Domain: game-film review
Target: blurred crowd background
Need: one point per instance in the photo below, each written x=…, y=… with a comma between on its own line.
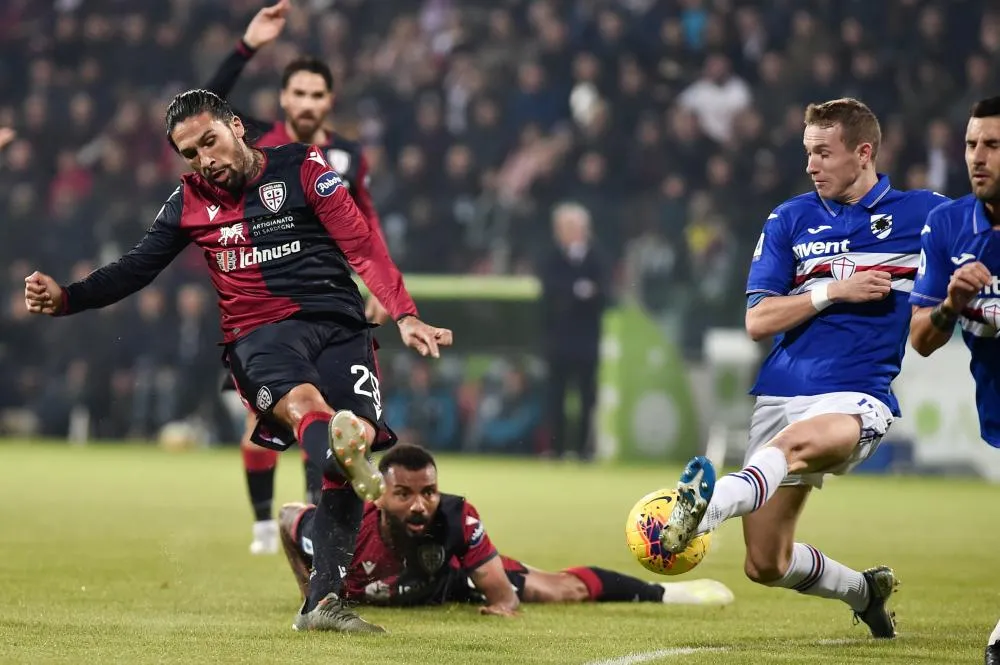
x=676, y=123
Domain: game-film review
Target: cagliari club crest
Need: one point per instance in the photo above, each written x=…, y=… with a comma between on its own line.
x=431, y=557
x=272, y=195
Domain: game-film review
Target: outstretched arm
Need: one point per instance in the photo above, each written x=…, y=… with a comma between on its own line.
x=263, y=29
x=366, y=252
x=374, y=311
x=492, y=581
x=163, y=241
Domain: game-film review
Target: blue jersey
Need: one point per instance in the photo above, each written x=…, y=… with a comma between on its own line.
x=957, y=233
x=808, y=241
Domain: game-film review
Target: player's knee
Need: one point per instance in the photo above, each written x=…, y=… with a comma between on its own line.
x=573, y=590
x=307, y=397
x=794, y=440
x=545, y=593
x=554, y=588
x=763, y=569
x=828, y=437
x=248, y=428
x=298, y=402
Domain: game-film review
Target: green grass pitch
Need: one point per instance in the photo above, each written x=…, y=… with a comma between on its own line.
x=126, y=554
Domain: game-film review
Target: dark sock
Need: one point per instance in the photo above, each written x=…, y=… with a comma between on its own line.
x=607, y=586
x=261, y=487
x=314, y=437
x=334, y=532
x=259, y=464
x=314, y=480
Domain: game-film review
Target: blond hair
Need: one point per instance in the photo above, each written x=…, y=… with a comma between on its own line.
x=857, y=122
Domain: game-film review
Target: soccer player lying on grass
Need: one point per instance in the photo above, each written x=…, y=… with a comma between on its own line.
x=418, y=546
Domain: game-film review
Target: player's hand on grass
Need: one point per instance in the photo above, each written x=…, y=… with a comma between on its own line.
x=375, y=312
x=266, y=25
x=6, y=136
x=866, y=286
x=498, y=610
x=42, y=294
x=965, y=284
x=423, y=338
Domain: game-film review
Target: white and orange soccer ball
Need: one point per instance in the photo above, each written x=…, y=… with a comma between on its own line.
x=642, y=534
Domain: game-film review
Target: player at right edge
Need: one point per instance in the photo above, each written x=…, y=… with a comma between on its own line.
x=959, y=279
x=830, y=279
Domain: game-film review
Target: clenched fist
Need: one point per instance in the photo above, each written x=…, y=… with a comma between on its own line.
x=42, y=294
x=965, y=284
x=867, y=286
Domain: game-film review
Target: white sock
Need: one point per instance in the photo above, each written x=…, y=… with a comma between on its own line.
x=995, y=635
x=745, y=491
x=813, y=573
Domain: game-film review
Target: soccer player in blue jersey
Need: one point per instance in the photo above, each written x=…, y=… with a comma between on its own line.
x=830, y=280
x=958, y=280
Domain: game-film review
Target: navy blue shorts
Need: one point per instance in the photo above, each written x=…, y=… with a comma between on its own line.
x=270, y=361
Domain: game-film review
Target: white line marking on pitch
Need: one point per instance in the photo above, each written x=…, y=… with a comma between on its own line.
x=635, y=658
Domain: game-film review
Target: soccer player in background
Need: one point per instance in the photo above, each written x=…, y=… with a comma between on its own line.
x=418, y=546
x=959, y=279
x=280, y=234
x=306, y=99
x=830, y=280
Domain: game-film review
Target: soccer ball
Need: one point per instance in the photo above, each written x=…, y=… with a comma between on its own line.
x=642, y=534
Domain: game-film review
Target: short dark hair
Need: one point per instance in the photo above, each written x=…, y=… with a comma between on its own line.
x=307, y=63
x=986, y=108
x=194, y=102
x=407, y=455
x=858, y=123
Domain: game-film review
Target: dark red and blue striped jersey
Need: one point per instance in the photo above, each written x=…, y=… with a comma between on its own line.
x=283, y=247
x=344, y=155
x=425, y=569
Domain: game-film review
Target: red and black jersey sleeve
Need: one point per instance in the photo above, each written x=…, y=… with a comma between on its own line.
x=224, y=80
x=354, y=234
x=162, y=243
x=478, y=546
x=364, y=199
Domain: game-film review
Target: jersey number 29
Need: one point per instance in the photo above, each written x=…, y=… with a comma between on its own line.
x=359, y=387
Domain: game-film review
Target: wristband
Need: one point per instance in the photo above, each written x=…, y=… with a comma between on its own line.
x=820, y=297
x=943, y=318
x=404, y=316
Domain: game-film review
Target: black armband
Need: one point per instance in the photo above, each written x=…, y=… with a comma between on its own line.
x=943, y=318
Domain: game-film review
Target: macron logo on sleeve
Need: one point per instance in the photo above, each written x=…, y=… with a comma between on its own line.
x=314, y=156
